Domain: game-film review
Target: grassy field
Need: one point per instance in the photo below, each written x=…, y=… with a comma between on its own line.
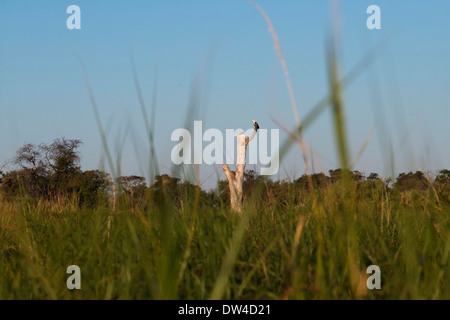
x=315, y=248
x=305, y=244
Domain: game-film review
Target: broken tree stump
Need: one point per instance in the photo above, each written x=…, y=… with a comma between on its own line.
x=236, y=178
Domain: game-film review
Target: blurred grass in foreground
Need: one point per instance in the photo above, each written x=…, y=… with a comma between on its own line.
x=308, y=244
x=164, y=251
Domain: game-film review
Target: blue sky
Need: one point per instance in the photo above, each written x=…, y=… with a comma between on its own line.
x=403, y=96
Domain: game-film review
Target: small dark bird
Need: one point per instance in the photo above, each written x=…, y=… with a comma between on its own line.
x=255, y=124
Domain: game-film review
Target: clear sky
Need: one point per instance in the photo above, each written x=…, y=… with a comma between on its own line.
x=403, y=97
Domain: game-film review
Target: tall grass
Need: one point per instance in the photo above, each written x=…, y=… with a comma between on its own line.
x=164, y=252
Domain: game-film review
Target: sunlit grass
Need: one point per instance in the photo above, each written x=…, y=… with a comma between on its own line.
x=138, y=253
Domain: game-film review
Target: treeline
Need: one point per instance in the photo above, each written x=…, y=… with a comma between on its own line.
x=406, y=188
x=49, y=172
x=52, y=172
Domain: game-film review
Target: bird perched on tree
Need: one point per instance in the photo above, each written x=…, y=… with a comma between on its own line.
x=255, y=124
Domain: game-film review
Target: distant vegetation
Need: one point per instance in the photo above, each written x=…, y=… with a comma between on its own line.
x=173, y=240
x=51, y=172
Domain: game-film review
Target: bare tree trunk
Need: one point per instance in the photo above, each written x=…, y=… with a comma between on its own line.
x=236, y=178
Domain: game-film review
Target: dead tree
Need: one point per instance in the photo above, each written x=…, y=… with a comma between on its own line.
x=236, y=178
